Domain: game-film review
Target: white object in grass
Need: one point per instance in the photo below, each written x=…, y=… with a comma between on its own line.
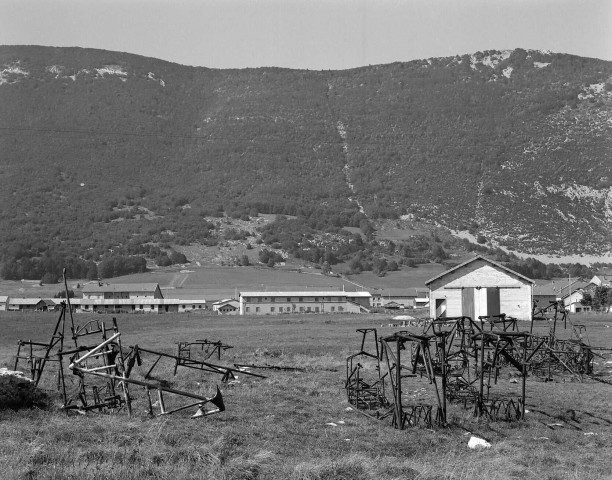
x=476, y=443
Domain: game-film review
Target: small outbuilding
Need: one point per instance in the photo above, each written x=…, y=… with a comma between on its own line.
x=573, y=302
x=480, y=287
x=26, y=304
x=228, y=306
x=544, y=296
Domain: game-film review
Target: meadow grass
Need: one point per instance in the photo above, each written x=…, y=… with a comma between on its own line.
x=278, y=427
x=214, y=282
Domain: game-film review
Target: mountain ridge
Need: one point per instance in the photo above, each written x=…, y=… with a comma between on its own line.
x=512, y=144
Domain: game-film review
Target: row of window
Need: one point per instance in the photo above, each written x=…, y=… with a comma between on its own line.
x=289, y=309
x=140, y=307
x=290, y=299
x=111, y=296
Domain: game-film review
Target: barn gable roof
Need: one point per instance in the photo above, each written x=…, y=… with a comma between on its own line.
x=548, y=289
x=26, y=301
x=313, y=293
x=399, y=292
x=120, y=287
x=226, y=301
x=479, y=257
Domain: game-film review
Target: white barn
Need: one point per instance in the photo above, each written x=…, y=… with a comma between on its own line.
x=480, y=287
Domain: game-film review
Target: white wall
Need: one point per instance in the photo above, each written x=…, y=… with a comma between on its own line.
x=515, y=293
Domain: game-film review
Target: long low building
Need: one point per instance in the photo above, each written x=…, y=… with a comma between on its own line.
x=132, y=298
x=400, y=298
x=272, y=303
x=20, y=304
x=116, y=305
x=136, y=305
x=114, y=298
x=121, y=291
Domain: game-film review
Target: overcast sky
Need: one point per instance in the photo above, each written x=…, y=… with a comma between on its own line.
x=314, y=34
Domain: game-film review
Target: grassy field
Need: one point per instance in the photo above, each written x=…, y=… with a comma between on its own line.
x=279, y=427
x=217, y=282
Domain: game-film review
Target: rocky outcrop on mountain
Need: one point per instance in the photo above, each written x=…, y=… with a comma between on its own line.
x=512, y=144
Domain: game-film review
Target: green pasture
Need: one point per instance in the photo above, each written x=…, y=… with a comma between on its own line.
x=280, y=427
x=218, y=282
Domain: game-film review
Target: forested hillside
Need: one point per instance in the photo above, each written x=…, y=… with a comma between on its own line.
x=107, y=151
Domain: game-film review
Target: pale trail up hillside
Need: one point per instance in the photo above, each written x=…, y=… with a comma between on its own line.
x=341, y=128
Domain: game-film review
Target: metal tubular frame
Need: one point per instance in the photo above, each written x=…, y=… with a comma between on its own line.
x=227, y=373
x=365, y=393
x=467, y=357
x=102, y=370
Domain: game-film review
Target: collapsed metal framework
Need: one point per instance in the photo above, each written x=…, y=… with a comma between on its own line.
x=406, y=404
x=461, y=359
x=117, y=374
x=414, y=409
x=474, y=354
x=363, y=392
x=97, y=377
x=185, y=359
x=559, y=357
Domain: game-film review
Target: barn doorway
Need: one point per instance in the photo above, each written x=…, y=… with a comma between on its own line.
x=467, y=303
x=493, y=301
x=480, y=301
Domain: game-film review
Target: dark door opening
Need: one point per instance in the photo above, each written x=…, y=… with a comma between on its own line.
x=467, y=302
x=493, y=307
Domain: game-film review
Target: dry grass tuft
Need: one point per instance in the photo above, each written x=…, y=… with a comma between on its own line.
x=17, y=393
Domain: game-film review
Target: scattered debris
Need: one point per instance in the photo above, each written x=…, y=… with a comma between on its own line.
x=461, y=359
x=18, y=391
x=14, y=373
x=184, y=358
x=476, y=443
x=246, y=366
x=97, y=377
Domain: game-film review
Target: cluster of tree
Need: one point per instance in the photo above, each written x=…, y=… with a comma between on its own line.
x=531, y=267
x=62, y=294
x=318, y=255
x=165, y=259
x=235, y=234
x=421, y=249
x=600, y=299
x=242, y=261
x=270, y=258
x=117, y=265
x=381, y=266
x=48, y=268
x=303, y=236
x=377, y=264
